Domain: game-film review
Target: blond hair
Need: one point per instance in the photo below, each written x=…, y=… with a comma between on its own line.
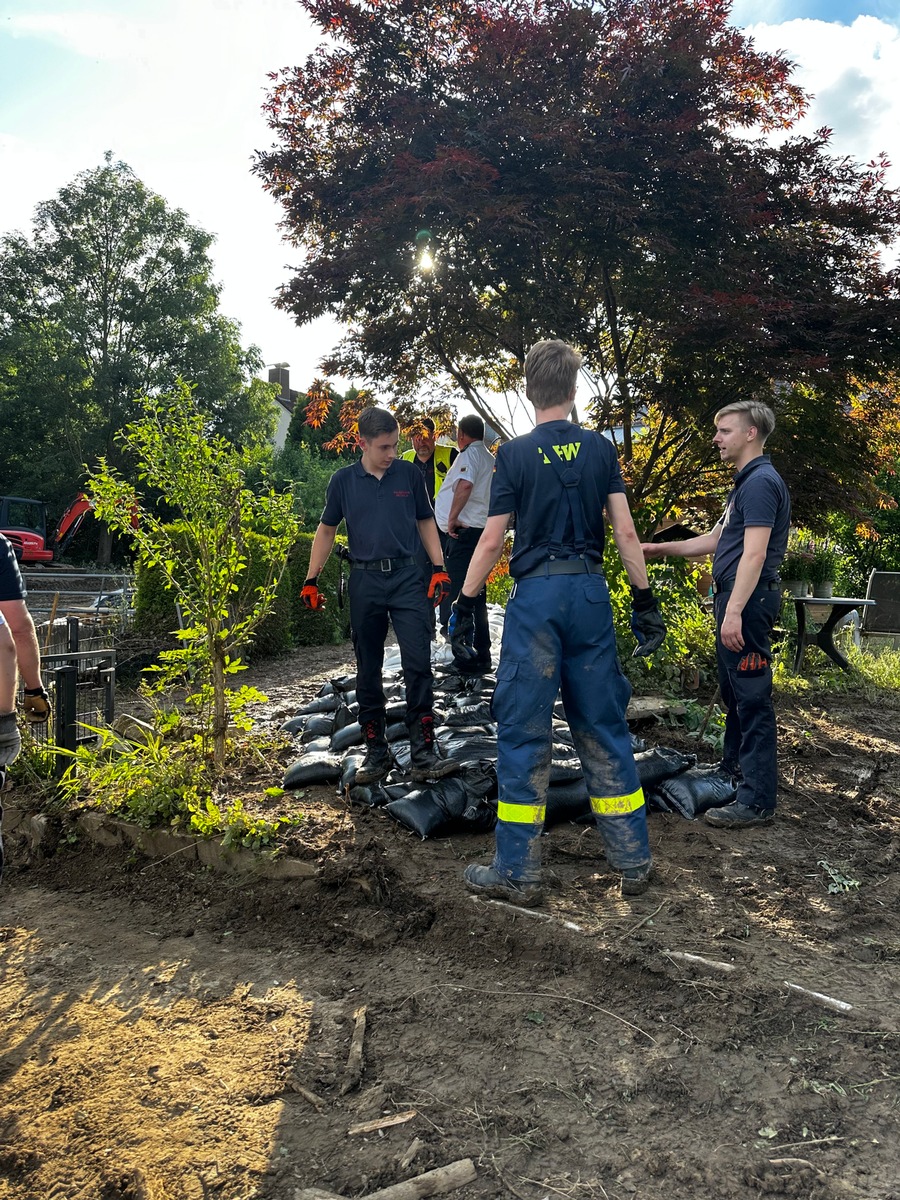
x=551, y=368
x=756, y=416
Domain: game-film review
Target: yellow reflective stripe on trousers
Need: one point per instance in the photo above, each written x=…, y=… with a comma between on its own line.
x=521, y=814
x=609, y=806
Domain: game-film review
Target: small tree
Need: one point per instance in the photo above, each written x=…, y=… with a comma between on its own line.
x=205, y=557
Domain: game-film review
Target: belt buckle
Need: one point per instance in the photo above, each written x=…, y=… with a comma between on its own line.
x=386, y=570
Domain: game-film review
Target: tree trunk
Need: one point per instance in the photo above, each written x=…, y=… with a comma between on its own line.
x=220, y=710
x=104, y=545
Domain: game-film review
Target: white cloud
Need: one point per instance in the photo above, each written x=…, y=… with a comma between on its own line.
x=851, y=73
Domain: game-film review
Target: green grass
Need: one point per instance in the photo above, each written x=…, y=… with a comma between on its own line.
x=874, y=675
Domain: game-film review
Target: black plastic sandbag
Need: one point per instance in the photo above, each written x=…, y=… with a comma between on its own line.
x=660, y=763
x=344, y=716
x=349, y=767
x=350, y=735
x=568, y=801
x=402, y=754
x=468, y=746
x=295, y=724
x=313, y=768
x=696, y=790
x=344, y=683
x=440, y=808
x=470, y=714
x=321, y=704
x=319, y=745
x=372, y=795
x=319, y=725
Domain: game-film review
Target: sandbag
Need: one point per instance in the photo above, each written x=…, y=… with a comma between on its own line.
x=395, y=712
x=472, y=714
x=567, y=801
x=696, y=790
x=402, y=755
x=343, y=717
x=321, y=704
x=397, y=732
x=318, y=725
x=438, y=810
x=344, y=683
x=350, y=735
x=372, y=795
x=564, y=770
x=313, y=768
x=295, y=724
x=472, y=747
x=350, y=766
x=319, y=745
x=662, y=762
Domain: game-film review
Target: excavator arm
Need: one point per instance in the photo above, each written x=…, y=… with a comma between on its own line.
x=70, y=522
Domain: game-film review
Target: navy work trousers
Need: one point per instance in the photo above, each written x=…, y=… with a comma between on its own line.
x=558, y=636
x=459, y=554
x=745, y=680
x=375, y=597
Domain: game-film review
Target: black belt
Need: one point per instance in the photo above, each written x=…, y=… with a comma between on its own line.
x=563, y=566
x=727, y=585
x=385, y=564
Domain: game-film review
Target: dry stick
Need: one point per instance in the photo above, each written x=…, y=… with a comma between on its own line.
x=808, y=1142
x=643, y=921
x=696, y=960
x=528, y=912
x=829, y=1001
x=793, y=1162
x=354, y=1068
x=462, y=987
x=310, y=1097
x=412, y=1150
x=383, y=1122
x=717, y=694
x=49, y=637
x=432, y=1183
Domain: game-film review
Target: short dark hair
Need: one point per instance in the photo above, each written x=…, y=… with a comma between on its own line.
x=472, y=426
x=375, y=421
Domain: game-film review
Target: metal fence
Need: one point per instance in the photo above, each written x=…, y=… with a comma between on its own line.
x=102, y=601
x=81, y=679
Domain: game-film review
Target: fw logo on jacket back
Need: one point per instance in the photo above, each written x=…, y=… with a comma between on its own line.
x=567, y=452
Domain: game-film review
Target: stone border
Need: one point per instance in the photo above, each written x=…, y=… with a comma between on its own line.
x=114, y=833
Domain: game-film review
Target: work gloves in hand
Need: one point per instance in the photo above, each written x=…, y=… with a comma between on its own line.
x=461, y=627
x=37, y=706
x=439, y=588
x=646, y=622
x=311, y=596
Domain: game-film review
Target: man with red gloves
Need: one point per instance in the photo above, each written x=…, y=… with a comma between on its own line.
x=389, y=518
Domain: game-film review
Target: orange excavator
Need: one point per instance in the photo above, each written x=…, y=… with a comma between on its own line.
x=24, y=523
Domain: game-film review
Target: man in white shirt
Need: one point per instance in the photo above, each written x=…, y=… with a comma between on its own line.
x=461, y=510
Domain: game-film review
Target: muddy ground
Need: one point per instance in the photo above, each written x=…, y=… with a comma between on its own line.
x=169, y=1034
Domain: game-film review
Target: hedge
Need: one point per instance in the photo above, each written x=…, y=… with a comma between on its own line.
x=154, y=604
x=331, y=624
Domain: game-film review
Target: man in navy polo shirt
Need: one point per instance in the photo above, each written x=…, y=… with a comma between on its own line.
x=747, y=544
x=389, y=518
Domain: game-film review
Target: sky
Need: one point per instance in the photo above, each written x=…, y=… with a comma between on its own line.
x=175, y=88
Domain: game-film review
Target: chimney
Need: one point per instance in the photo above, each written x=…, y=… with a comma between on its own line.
x=281, y=375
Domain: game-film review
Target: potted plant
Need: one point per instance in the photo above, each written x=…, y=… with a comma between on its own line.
x=795, y=572
x=822, y=570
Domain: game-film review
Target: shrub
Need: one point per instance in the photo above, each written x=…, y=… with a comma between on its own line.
x=154, y=604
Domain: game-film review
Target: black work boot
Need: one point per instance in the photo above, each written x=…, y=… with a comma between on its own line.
x=425, y=761
x=378, y=761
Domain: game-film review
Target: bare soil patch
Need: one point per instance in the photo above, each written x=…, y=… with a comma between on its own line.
x=173, y=1035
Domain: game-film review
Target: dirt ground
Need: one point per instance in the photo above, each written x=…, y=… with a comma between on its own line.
x=169, y=1034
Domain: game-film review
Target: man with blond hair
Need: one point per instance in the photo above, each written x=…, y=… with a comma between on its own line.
x=747, y=543
x=558, y=633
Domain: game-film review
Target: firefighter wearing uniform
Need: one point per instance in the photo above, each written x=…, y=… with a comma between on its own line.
x=558, y=634
x=389, y=518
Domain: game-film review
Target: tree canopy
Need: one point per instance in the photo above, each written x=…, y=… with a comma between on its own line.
x=464, y=178
x=110, y=298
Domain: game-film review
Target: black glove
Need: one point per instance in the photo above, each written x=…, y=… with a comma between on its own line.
x=646, y=622
x=461, y=627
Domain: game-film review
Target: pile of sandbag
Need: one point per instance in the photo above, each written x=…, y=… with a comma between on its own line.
x=331, y=741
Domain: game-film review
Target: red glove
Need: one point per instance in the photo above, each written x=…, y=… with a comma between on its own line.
x=311, y=596
x=439, y=588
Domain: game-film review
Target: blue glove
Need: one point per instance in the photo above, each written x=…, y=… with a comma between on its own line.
x=461, y=628
x=647, y=624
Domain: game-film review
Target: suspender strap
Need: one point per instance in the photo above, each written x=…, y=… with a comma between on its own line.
x=568, y=471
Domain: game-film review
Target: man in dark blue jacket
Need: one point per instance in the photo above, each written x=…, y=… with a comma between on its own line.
x=558, y=633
